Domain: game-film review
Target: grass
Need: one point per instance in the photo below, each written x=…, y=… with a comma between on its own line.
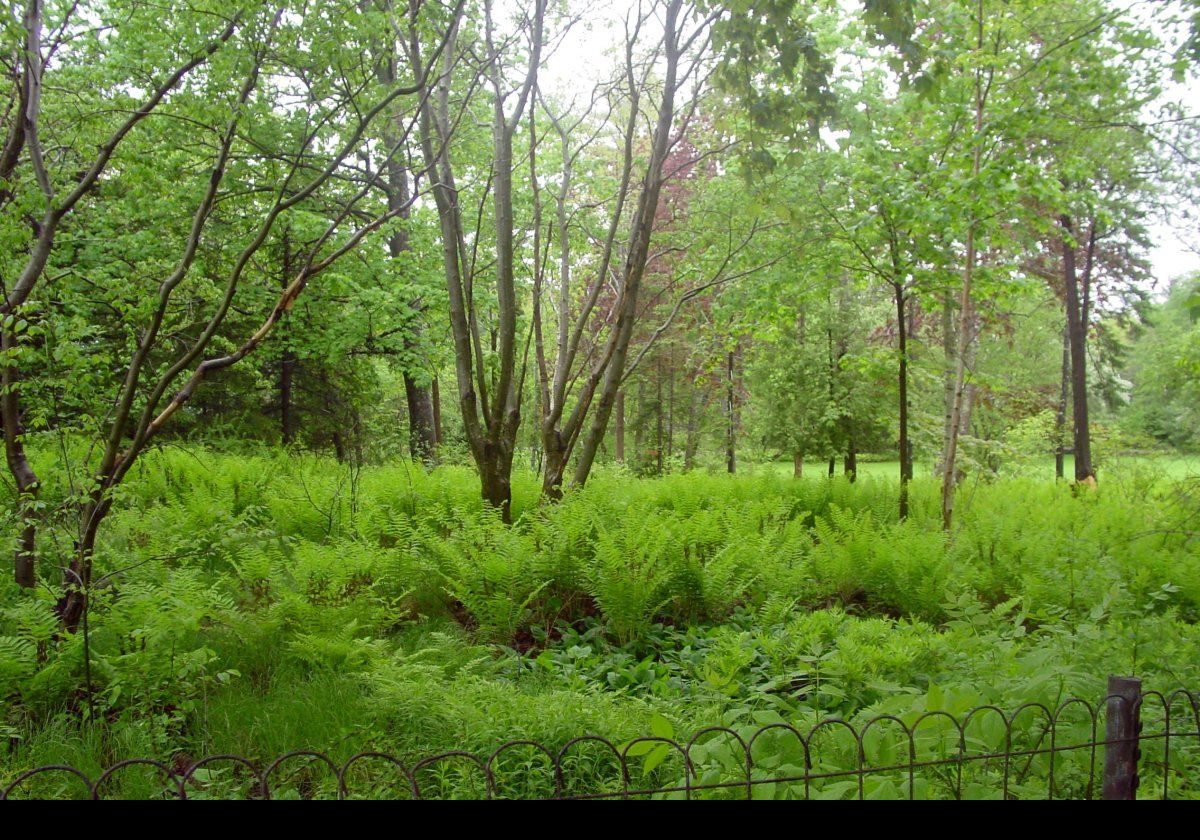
x=1170, y=467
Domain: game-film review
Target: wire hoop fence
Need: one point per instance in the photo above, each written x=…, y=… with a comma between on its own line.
x=1077, y=750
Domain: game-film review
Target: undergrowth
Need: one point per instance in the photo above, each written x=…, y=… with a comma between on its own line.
x=263, y=603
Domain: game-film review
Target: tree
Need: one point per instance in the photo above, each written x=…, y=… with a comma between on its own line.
x=274, y=157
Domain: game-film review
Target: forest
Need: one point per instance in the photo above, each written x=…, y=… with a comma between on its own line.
x=653, y=399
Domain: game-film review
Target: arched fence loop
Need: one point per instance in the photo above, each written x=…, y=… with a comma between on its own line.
x=1036, y=750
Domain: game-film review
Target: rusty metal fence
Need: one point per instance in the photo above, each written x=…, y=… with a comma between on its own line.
x=1077, y=750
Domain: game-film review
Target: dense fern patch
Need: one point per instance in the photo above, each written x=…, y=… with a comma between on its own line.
x=262, y=604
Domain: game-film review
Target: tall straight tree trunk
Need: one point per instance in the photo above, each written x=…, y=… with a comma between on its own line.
x=659, y=438
x=850, y=464
x=619, y=430
x=671, y=409
x=1060, y=416
x=691, y=442
x=906, y=467
x=797, y=465
x=730, y=416
x=968, y=399
x=831, y=391
x=436, y=395
x=950, y=354
x=639, y=428
x=1077, y=337
x=950, y=457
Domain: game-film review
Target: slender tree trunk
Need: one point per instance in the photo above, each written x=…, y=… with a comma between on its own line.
x=1077, y=336
x=850, y=464
x=968, y=399
x=949, y=477
x=356, y=432
x=436, y=394
x=691, y=441
x=950, y=458
x=639, y=428
x=831, y=378
x=671, y=410
x=797, y=465
x=77, y=580
x=1060, y=416
x=619, y=431
x=659, y=438
x=730, y=417
x=906, y=467
x=950, y=354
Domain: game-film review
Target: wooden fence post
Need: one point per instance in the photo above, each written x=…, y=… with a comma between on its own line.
x=1121, y=731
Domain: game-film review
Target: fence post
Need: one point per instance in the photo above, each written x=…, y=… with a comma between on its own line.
x=1121, y=730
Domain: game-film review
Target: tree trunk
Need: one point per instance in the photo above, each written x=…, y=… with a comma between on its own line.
x=950, y=457
x=492, y=420
x=436, y=395
x=554, y=465
x=964, y=306
x=797, y=465
x=77, y=580
x=422, y=423
x=950, y=354
x=671, y=410
x=619, y=431
x=850, y=464
x=495, y=481
x=422, y=429
x=24, y=478
x=968, y=399
x=691, y=441
x=906, y=467
x=1060, y=417
x=1077, y=336
x=730, y=417
x=638, y=253
x=659, y=438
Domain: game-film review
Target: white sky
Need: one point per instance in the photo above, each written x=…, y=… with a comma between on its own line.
x=586, y=56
